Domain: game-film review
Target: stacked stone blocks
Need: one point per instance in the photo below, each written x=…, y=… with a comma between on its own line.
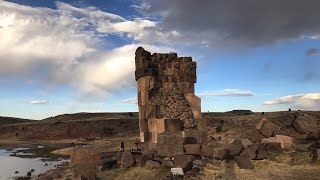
x=166, y=99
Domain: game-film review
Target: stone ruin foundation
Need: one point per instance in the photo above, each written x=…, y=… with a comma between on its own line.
x=169, y=111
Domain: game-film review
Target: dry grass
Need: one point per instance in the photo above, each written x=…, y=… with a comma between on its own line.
x=264, y=169
x=140, y=173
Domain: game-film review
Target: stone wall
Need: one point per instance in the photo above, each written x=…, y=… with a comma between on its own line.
x=166, y=92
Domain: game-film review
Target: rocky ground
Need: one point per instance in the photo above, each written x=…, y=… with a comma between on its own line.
x=101, y=134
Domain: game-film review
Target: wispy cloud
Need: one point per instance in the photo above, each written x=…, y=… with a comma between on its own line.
x=309, y=101
x=131, y=100
x=312, y=51
x=228, y=92
x=39, y=102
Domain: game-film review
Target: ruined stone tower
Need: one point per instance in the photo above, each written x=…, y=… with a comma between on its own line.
x=166, y=99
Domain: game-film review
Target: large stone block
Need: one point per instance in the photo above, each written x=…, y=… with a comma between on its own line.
x=206, y=151
x=170, y=144
x=155, y=126
x=193, y=99
x=228, y=151
x=173, y=125
x=194, y=136
x=143, y=72
x=244, y=162
x=84, y=156
x=284, y=141
x=268, y=128
x=84, y=161
x=184, y=161
x=145, y=83
x=143, y=98
x=307, y=125
x=192, y=149
x=127, y=160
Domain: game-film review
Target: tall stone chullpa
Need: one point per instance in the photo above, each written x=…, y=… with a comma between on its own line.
x=166, y=98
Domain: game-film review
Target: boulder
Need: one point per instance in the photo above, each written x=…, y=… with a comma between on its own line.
x=118, y=157
x=168, y=163
x=255, y=136
x=262, y=153
x=108, y=163
x=244, y=162
x=168, y=176
x=152, y=164
x=268, y=128
x=127, y=160
x=85, y=157
x=270, y=140
x=246, y=142
x=84, y=161
x=192, y=149
x=286, y=141
x=206, y=151
x=280, y=132
x=184, y=161
x=251, y=151
x=197, y=163
x=229, y=150
x=260, y=123
x=315, y=145
x=273, y=148
x=193, y=172
x=306, y=125
x=141, y=160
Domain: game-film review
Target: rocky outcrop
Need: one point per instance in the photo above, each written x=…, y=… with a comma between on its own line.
x=306, y=125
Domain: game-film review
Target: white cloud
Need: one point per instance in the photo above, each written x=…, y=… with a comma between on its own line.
x=228, y=92
x=309, y=101
x=65, y=46
x=39, y=102
x=131, y=100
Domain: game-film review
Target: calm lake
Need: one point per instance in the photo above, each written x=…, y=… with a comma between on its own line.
x=9, y=165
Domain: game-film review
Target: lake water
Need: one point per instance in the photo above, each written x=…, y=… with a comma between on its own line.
x=9, y=165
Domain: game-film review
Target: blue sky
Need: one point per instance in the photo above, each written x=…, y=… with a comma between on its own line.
x=78, y=56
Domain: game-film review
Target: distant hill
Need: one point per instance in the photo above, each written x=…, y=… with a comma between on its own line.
x=84, y=116
x=11, y=120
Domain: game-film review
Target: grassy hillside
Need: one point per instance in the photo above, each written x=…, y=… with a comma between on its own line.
x=11, y=120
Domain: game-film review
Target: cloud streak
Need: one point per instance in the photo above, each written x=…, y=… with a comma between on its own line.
x=37, y=102
x=131, y=101
x=309, y=101
x=312, y=51
x=228, y=92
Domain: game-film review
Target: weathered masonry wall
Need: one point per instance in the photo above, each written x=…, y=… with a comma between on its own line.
x=166, y=98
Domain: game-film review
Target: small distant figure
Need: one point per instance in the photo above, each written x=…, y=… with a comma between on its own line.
x=289, y=109
x=262, y=113
x=122, y=146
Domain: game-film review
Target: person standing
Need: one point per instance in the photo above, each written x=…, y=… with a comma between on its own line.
x=122, y=146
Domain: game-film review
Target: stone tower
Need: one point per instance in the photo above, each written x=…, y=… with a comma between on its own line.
x=168, y=106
